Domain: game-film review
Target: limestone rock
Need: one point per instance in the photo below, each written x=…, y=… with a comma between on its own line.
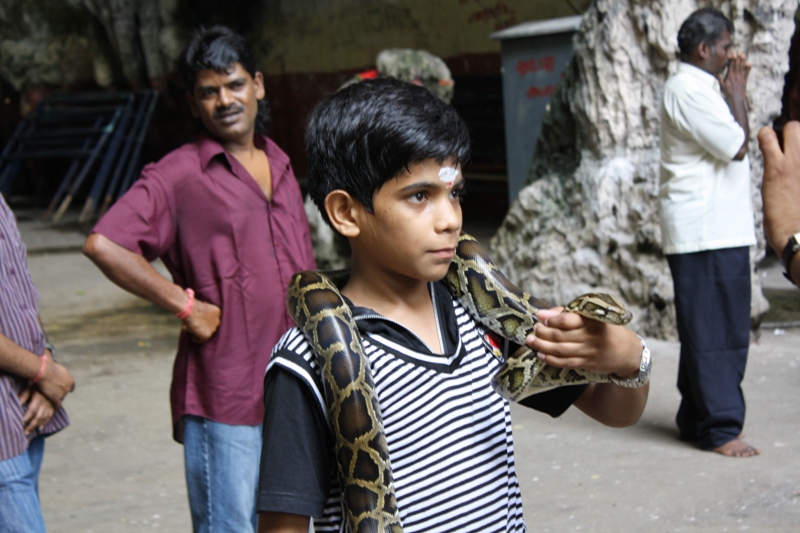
x=588, y=218
x=63, y=43
x=38, y=47
x=134, y=29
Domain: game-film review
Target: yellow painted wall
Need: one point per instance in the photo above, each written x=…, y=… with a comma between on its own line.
x=335, y=35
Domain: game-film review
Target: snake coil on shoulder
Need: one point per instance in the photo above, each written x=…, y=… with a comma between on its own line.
x=362, y=456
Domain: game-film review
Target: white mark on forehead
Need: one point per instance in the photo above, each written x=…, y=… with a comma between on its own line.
x=448, y=175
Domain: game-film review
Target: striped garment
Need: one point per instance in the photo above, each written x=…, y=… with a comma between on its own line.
x=19, y=321
x=448, y=432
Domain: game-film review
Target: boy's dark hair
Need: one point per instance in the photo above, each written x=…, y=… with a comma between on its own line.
x=219, y=48
x=372, y=131
x=705, y=25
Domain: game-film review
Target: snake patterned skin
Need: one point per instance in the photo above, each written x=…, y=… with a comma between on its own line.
x=362, y=455
x=503, y=308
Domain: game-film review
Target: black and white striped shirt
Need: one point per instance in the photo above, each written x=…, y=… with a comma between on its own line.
x=448, y=432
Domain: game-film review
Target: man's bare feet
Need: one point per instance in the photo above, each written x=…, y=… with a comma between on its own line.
x=737, y=448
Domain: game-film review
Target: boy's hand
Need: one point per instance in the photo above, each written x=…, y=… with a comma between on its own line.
x=569, y=340
x=573, y=341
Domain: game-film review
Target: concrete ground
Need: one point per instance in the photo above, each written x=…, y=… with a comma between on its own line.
x=116, y=467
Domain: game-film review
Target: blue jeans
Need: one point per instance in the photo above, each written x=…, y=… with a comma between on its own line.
x=222, y=464
x=20, y=511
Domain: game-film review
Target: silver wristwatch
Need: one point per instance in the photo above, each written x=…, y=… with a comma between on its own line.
x=644, y=372
x=791, y=248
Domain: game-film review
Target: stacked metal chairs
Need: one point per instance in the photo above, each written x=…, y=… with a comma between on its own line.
x=100, y=135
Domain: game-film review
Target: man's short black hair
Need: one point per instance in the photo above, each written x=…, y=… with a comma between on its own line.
x=372, y=131
x=219, y=48
x=705, y=25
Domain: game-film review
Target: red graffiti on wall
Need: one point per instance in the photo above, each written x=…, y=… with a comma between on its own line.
x=532, y=66
x=541, y=92
x=500, y=13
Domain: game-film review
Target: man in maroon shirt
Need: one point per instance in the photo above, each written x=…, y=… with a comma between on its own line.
x=225, y=215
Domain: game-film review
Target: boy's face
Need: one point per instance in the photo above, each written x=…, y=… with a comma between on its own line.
x=416, y=223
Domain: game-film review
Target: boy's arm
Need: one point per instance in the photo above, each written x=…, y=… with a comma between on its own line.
x=612, y=405
x=295, y=470
x=571, y=341
x=282, y=523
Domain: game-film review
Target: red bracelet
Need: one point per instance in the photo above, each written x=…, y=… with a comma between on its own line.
x=39, y=375
x=187, y=310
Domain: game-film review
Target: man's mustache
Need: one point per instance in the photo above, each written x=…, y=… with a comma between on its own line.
x=233, y=108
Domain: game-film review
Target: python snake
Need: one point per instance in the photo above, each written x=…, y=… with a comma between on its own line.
x=495, y=302
x=362, y=455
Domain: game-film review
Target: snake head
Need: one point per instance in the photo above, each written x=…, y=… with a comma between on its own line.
x=602, y=307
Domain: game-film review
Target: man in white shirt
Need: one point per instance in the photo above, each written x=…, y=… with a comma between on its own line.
x=707, y=227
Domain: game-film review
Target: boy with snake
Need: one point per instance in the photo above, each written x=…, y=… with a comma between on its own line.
x=385, y=170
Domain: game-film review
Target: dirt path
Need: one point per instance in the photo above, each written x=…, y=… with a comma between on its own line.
x=117, y=469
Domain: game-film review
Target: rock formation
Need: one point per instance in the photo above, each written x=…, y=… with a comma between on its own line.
x=65, y=43
x=588, y=218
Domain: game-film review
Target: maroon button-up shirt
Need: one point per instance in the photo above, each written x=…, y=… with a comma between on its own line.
x=204, y=215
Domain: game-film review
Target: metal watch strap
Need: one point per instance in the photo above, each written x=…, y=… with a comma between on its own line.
x=789, y=250
x=52, y=349
x=644, y=371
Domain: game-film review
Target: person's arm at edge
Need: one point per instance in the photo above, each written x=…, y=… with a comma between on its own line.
x=136, y=275
x=269, y=522
x=54, y=383
x=780, y=189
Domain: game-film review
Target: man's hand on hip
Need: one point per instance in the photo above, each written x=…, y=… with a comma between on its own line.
x=203, y=321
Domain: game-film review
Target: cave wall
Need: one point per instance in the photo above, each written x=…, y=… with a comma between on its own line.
x=588, y=220
x=306, y=49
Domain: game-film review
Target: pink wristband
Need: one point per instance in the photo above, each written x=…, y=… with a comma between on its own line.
x=189, y=305
x=39, y=375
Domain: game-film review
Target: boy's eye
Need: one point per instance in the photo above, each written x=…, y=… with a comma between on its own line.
x=458, y=194
x=418, y=197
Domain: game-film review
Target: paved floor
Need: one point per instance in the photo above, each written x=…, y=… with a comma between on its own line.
x=117, y=469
